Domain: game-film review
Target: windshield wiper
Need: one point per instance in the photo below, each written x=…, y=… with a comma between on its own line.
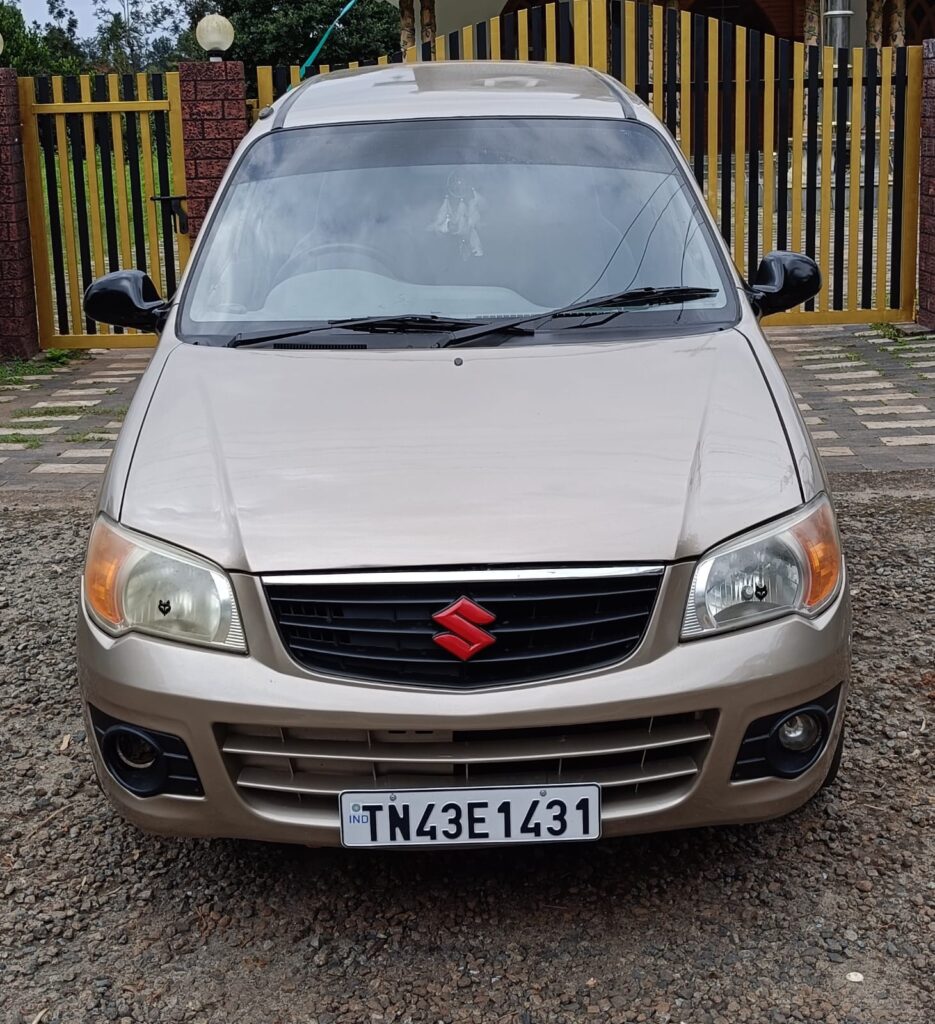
x=239, y=340
x=467, y=332
x=612, y=305
x=403, y=323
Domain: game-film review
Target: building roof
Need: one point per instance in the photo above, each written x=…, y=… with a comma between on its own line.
x=455, y=89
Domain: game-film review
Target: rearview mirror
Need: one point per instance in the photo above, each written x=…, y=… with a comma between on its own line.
x=126, y=298
x=784, y=280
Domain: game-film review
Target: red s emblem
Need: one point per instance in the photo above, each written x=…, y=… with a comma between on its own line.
x=464, y=619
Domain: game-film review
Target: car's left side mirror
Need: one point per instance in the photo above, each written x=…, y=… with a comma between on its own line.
x=126, y=298
x=784, y=280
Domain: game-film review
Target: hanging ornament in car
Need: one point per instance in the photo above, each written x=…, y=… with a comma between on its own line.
x=459, y=215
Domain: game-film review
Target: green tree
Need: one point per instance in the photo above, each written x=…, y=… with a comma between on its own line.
x=21, y=47
x=40, y=50
x=140, y=36
x=60, y=34
x=286, y=31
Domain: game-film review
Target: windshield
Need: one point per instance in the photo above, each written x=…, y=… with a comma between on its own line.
x=473, y=218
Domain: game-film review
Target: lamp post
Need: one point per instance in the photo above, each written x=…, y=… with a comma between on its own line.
x=214, y=34
x=837, y=24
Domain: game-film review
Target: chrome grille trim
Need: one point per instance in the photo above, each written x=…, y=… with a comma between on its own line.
x=464, y=575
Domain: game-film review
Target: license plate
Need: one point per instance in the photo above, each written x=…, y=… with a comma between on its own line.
x=448, y=817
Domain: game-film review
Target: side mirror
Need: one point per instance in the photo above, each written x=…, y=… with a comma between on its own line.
x=126, y=298
x=784, y=280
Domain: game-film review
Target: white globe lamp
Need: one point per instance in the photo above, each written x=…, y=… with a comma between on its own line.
x=215, y=34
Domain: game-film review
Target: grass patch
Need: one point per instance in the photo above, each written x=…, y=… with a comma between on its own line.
x=30, y=440
x=63, y=356
x=52, y=410
x=890, y=331
x=88, y=437
x=117, y=412
x=13, y=370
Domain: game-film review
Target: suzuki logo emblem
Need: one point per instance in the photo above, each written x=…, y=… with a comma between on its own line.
x=464, y=619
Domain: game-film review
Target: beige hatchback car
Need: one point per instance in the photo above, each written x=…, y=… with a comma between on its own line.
x=462, y=502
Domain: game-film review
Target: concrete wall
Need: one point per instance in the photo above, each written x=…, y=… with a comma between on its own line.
x=858, y=22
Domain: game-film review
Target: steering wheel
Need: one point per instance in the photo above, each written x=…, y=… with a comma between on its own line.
x=346, y=253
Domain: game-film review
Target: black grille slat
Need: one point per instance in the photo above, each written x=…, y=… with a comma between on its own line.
x=492, y=658
x=383, y=630
x=309, y=622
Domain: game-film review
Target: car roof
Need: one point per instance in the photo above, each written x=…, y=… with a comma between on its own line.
x=394, y=92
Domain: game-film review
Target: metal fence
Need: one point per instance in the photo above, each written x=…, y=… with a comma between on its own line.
x=105, y=179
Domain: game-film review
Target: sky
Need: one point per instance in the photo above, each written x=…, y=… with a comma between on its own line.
x=35, y=10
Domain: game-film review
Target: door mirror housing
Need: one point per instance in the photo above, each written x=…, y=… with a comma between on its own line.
x=126, y=298
x=784, y=280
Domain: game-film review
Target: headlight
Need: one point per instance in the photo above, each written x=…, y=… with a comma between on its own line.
x=793, y=565
x=134, y=583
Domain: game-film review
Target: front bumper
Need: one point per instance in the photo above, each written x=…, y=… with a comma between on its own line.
x=199, y=695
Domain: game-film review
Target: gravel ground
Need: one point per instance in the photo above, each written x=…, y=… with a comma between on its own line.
x=763, y=923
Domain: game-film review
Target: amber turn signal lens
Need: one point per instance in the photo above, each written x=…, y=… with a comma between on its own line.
x=107, y=553
x=819, y=539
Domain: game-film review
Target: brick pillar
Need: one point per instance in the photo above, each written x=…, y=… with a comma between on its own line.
x=18, y=333
x=214, y=120
x=926, y=313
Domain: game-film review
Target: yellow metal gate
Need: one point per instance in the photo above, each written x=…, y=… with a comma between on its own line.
x=105, y=177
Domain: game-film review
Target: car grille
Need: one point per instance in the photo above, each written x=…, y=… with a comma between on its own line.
x=293, y=768
x=544, y=626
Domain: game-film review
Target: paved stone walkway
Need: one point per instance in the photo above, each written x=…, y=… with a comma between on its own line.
x=57, y=430
x=867, y=396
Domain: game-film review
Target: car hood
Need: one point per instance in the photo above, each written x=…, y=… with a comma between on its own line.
x=269, y=461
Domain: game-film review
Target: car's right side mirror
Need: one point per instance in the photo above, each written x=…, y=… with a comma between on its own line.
x=784, y=280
